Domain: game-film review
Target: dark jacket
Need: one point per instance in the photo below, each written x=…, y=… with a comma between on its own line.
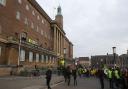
x=48, y=74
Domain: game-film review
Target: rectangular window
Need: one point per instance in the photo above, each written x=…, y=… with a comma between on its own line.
x=42, y=58
x=46, y=59
x=0, y=50
x=53, y=60
x=32, y=25
x=27, y=7
x=3, y=2
x=49, y=60
x=22, y=55
x=30, y=56
x=19, y=1
x=26, y=21
x=37, y=57
x=18, y=15
x=42, y=32
x=33, y=12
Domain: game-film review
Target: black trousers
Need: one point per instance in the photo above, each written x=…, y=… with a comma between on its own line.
x=111, y=83
x=102, y=83
x=48, y=83
x=75, y=81
x=68, y=80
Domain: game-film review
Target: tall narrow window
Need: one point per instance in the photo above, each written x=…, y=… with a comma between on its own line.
x=3, y=2
x=30, y=56
x=18, y=15
x=42, y=58
x=32, y=25
x=42, y=32
x=50, y=59
x=33, y=12
x=27, y=7
x=0, y=50
x=37, y=57
x=46, y=59
x=19, y=1
x=42, y=21
x=38, y=17
x=26, y=21
x=22, y=55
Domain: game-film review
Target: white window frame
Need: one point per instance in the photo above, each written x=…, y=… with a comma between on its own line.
x=30, y=56
x=3, y=2
x=27, y=7
x=18, y=15
x=42, y=21
x=33, y=12
x=22, y=55
x=20, y=1
x=32, y=25
x=37, y=57
x=26, y=21
x=0, y=50
x=38, y=17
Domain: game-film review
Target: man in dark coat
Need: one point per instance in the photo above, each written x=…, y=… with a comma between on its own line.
x=48, y=77
x=74, y=73
x=68, y=74
x=100, y=75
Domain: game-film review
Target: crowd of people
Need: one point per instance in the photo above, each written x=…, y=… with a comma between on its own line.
x=116, y=77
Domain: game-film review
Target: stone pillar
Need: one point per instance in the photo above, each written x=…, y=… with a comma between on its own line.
x=55, y=39
x=59, y=43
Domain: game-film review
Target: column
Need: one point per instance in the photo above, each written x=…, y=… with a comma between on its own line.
x=57, y=42
x=61, y=45
x=54, y=38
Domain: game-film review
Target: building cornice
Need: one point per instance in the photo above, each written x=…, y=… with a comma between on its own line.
x=40, y=10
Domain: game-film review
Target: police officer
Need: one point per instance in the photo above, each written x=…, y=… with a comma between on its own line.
x=110, y=77
x=117, y=77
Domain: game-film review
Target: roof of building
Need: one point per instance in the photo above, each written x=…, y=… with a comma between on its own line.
x=40, y=10
x=83, y=58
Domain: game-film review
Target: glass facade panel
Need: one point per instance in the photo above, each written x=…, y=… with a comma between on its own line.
x=37, y=57
x=30, y=56
x=22, y=55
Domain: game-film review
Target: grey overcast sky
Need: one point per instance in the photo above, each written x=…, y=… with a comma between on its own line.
x=93, y=26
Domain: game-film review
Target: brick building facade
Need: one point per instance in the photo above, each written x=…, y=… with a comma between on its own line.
x=29, y=37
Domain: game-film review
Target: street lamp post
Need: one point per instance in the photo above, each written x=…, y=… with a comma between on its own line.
x=114, y=56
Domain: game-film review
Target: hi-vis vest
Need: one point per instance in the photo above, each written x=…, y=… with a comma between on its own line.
x=117, y=74
x=109, y=74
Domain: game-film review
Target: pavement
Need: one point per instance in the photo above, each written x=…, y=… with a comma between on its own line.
x=57, y=82
x=83, y=83
x=17, y=82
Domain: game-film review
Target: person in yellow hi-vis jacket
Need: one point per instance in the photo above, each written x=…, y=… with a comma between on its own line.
x=110, y=77
x=117, y=77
